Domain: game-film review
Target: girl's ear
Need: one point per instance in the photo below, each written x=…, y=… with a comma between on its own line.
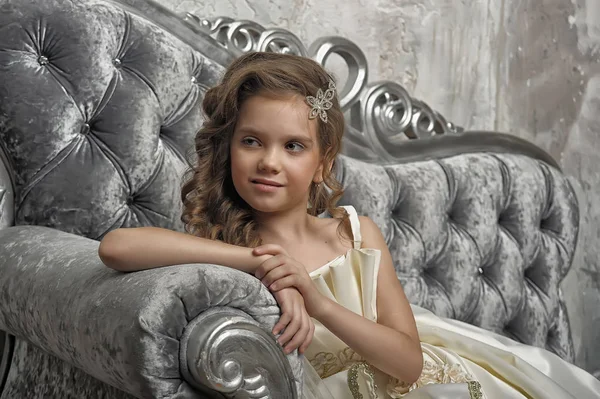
x=324, y=168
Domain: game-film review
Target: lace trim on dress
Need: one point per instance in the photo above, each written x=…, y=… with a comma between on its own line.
x=475, y=390
x=435, y=373
x=369, y=376
x=327, y=364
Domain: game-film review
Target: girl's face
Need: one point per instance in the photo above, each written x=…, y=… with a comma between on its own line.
x=275, y=153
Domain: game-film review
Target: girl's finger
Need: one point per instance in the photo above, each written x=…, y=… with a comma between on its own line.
x=285, y=282
x=267, y=266
x=276, y=274
x=290, y=330
x=269, y=249
x=284, y=320
x=309, y=337
x=300, y=335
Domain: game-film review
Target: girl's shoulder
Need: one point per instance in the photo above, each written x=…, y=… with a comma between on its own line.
x=363, y=229
x=349, y=230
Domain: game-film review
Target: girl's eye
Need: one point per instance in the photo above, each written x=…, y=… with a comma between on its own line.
x=249, y=141
x=294, y=146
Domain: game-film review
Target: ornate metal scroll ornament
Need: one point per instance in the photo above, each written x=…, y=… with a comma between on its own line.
x=243, y=36
x=381, y=115
x=230, y=353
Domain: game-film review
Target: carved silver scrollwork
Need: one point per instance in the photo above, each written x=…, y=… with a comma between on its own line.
x=281, y=41
x=355, y=60
x=241, y=37
x=229, y=352
x=206, y=25
x=423, y=120
x=383, y=111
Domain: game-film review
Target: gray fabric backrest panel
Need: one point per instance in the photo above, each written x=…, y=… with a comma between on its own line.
x=482, y=238
x=97, y=109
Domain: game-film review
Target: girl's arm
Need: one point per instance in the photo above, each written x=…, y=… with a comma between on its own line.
x=392, y=344
x=131, y=249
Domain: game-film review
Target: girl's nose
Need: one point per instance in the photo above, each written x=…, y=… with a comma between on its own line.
x=270, y=162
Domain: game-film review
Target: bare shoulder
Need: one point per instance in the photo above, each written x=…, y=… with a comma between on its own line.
x=371, y=233
x=367, y=225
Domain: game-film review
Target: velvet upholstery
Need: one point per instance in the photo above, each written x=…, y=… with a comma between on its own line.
x=482, y=238
x=122, y=329
x=36, y=374
x=108, y=90
x=98, y=107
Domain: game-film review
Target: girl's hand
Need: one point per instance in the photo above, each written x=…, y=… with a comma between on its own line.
x=299, y=328
x=281, y=271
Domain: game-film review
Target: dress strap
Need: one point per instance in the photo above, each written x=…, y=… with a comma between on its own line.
x=355, y=225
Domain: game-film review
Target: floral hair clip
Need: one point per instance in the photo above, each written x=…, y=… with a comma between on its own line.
x=322, y=103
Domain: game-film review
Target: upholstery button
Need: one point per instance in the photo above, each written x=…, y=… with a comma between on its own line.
x=194, y=80
x=450, y=217
x=117, y=63
x=480, y=270
x=129, y=201
x=42, y=60
x=85, y=129
x=501, y=216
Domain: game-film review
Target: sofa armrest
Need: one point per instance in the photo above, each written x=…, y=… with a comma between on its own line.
x=166, y=332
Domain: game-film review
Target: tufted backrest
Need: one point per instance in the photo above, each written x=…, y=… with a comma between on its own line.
x=97, y=109
x=482, y=238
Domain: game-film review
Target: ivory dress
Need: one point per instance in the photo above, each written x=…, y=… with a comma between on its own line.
x=460, y=360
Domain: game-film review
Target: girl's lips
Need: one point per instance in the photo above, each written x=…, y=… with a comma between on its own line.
x=267, y=188
x=266, y=182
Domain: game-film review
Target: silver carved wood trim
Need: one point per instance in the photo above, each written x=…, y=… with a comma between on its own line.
x=7, y=192
x=7, y=344
x=227, y=351
x=381, y=115
x=384, y=121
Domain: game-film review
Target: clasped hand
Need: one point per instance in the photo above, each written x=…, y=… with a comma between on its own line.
x=295, y=292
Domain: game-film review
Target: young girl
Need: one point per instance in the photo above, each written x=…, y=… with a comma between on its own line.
x=264, y=174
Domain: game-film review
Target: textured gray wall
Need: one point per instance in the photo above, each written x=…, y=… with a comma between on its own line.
x=530, y=68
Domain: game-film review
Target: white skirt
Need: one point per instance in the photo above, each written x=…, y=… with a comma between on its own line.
x=504, y=369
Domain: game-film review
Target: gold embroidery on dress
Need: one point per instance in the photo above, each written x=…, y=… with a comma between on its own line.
x=433, y=373
x=369, y=376
x=348, y=356
x=327, y=364
x=475, y=390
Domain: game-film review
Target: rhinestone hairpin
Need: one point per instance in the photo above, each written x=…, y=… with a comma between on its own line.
x=322, y=103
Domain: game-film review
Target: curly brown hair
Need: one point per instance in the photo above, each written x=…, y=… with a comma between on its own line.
x=212, y=208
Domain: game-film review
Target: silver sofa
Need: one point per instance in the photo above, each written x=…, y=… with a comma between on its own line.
x=99, y=104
